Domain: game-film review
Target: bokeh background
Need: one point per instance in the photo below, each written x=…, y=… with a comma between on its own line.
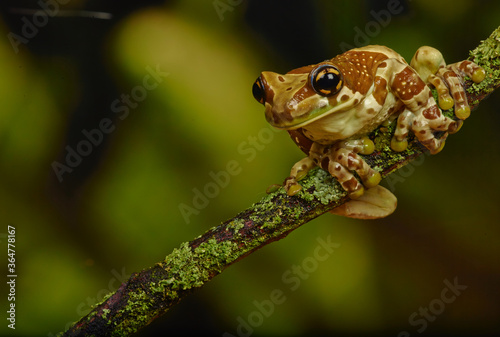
x=119, y=210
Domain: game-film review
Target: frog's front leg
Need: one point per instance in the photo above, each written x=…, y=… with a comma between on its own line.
x=298, y=171
x=369, y=200
x=453, y=75
x=340, y=160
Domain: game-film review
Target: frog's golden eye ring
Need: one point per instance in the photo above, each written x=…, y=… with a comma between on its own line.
x=326, y=80
x=258, y=91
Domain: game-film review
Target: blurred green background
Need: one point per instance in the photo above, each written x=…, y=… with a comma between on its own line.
x=119, y=210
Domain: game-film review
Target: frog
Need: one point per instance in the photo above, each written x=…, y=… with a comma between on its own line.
x=331, y=107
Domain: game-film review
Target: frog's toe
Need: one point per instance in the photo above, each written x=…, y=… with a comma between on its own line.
x=398, y=145
x=462, y=111
x=478, y=75
x=455, y=127
x=469, y=68
x=367, y=146
x=357, y=193
x=375, y=203
x=272, y=188
x=439, y=146
x=445, y=102
x=294, y=189
x=373, y=180
x=363, y=145
x=301, y=174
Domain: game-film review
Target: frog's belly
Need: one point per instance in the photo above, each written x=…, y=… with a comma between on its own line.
x=357, y=121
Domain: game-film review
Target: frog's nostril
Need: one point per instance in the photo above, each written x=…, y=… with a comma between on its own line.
x=258, y=91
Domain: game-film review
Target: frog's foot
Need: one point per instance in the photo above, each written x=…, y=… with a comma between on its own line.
x=376, y=202
x=423, y=123
x=429, y=63
x=451, y=77
x=298, y=171
x=342, y=161
x=421, y=115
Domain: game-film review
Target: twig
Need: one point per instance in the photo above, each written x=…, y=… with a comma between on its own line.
x=151, y=292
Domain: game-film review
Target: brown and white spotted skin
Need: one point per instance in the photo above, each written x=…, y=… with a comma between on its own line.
x=329, y=108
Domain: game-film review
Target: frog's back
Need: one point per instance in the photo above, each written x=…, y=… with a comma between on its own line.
x=368, y=57
x=359, y=66
x=383, y=51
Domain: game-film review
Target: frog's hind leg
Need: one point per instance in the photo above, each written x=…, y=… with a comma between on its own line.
x=429, y=63
x=421, y=113
x=453, y=75
x=375, y=203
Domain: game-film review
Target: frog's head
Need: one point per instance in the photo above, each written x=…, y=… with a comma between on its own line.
x=302, y=95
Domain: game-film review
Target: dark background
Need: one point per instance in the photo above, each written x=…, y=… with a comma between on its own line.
x=119, y=210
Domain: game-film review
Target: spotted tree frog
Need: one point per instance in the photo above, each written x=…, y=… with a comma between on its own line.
x=330, y=107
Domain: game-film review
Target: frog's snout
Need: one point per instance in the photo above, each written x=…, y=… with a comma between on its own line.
x=263, y=90
x=275, y=92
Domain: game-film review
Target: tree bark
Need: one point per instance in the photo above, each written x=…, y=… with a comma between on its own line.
x=150, y=293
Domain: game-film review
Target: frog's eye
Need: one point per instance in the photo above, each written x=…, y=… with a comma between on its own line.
x=326, y=80
x=258, y=91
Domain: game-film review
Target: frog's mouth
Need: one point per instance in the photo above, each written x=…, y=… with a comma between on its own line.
x=291, y=119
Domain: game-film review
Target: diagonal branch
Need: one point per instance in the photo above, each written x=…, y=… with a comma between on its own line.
x=151, y=292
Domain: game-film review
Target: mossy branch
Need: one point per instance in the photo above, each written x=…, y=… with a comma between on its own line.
x=151, y=292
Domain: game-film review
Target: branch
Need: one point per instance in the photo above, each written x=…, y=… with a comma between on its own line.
x=151, y=292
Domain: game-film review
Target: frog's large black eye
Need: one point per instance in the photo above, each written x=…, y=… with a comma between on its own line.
x=258, y=91
x=326, y=80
